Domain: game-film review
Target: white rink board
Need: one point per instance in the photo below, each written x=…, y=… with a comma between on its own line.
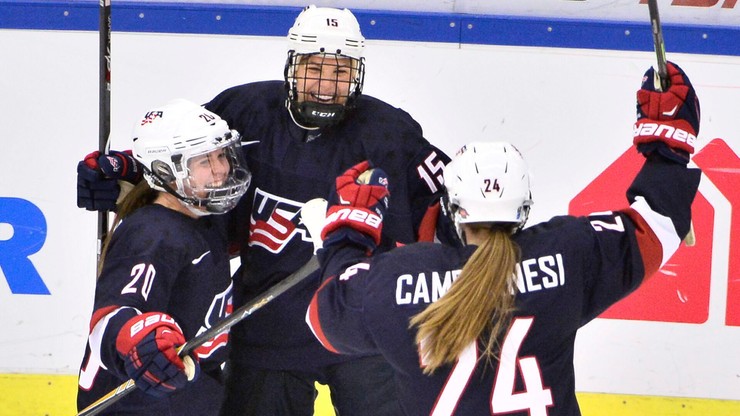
x=569, y=111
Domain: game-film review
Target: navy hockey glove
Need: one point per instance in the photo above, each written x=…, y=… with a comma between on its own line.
x=116, y=165
x=668, y=121
x=359, y=204
x=98, y=175
x=148, y=346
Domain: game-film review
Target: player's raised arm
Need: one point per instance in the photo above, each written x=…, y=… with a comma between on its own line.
x=643, y=237
x=665, y=133
x=354, y=221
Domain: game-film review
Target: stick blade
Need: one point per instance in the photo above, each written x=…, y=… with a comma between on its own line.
x=690, y=239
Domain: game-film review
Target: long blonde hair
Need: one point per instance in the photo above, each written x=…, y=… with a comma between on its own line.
x=480, y=301
x=140, y=195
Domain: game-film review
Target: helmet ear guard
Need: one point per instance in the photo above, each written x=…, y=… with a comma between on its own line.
x=488, y=183
x=162, y=172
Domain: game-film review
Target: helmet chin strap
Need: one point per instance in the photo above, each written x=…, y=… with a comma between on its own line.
x=463, y=237
x=292, y=117
x=190, y=203
x=194, y=210
x=458, y=226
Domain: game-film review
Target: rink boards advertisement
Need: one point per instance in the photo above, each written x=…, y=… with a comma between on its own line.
x=557, y=81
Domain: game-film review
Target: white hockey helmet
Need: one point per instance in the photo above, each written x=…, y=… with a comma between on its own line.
x=334, y=34
x=169, y=137
x=488, y=182
x=326, y=30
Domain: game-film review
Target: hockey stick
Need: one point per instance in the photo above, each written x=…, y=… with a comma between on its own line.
x=312, y=215
x=661, y=74
x=661, y=81
x=104, y=30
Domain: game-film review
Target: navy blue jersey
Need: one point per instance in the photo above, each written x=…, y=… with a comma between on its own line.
x=160, y=260
x=291, y=166
x=570, y=270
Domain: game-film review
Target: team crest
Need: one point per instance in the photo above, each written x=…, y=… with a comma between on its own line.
x=115, y=164
x=275, y=221
x=150, y=116
x=221, y=307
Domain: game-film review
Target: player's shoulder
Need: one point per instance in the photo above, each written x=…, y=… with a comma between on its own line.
x=556, y=224
x=565, y=231
x=157, y=226
x=251, y=88
x=369, y=107
x=250, y=95
x=154, y=216
x=385, y=130
x=369, y=101
x=426, y=253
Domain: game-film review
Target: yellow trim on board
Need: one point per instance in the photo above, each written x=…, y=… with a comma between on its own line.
x=38, y=394
x=54, y=395
x=602, y=404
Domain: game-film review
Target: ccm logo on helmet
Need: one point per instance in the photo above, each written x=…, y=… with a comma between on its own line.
x=322, y=114
x=663, y=130
x=356, y=215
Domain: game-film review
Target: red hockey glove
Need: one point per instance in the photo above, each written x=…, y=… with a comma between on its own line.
x=148, y=346
x=98, y=175
x=359, y=203
x=364, y=187
x=667, y=122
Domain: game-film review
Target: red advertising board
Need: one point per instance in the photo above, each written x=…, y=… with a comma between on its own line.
x=680, y=290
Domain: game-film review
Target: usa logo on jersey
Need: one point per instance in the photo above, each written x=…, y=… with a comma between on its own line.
x=221, y=307
x=275, y=221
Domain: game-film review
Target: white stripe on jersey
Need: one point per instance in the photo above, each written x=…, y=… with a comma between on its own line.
x=661, y=225
x=94, y=362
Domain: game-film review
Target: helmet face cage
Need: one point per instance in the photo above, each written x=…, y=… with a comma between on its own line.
x=325, y=70
x=488, y=183
x=215, y=180
x=322, y=86
x=192, y=154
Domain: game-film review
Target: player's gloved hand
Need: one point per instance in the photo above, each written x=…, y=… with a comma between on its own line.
x=98, y=175
x=359, y=204
x=668, y=121
x=148, y=344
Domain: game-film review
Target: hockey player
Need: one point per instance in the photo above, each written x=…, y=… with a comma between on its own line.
x=300, y=133
x=164, y=273
x=489, y=327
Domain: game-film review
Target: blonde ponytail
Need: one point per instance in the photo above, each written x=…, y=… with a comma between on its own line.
x=480, y=301
x=140, y=195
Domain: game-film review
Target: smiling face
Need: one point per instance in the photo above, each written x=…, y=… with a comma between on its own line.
x=324, y=79
x=207, y=171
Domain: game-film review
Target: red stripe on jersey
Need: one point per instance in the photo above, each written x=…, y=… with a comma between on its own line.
x=100, y=314
x=428, y=224
x=651, y=248
x=313, y=318
x=210, y=346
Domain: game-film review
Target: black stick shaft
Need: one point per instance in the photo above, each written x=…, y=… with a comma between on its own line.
x=250, y=307
x=233, y=319
x=104, y=102
x=658, y=43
